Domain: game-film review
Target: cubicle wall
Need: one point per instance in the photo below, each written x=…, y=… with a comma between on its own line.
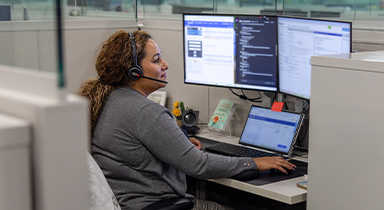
x=15, y=180
x=82, y=40
x=28, y=44
x=57, y=142
x=31, y=45
x=346, y=137
x=367, y=40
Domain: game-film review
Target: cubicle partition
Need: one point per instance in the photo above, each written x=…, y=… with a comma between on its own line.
x=53, y=137
x=346, y=132
x=15, y=179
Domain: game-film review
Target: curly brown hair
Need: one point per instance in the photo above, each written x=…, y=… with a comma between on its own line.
x=112, y=65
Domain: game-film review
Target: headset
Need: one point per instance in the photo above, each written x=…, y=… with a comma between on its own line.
x=136, y=72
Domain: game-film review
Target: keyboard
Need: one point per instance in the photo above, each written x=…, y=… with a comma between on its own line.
x=237, y=151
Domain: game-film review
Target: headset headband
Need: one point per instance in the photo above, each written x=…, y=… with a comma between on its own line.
x=133, y=46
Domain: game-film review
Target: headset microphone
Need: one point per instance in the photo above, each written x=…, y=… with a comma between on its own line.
x=134, y=74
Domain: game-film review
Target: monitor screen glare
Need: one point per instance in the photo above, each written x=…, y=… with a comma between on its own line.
x=234, y=51
x=298, y=40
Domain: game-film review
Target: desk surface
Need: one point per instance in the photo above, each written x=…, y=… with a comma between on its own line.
x=285, y=191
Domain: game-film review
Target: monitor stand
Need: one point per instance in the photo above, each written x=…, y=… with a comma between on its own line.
x=299, y=105
x=267, y=98
x=280, y=97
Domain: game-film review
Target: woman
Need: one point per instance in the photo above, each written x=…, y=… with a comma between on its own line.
x=136, y=142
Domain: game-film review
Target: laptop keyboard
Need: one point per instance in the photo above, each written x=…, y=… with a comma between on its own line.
x=236, y=150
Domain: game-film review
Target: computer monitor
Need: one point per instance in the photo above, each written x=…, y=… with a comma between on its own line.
x=233, y=51
x=298, y=40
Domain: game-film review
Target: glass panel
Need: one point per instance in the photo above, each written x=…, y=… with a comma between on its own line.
x=172, y=9
x=247, y=6
x=29, y=35
x=30, y=10
x=369, y=10
x=44, y=9
x=351, y=10
x=100, y=8
x=26, y=43
x=340, y=9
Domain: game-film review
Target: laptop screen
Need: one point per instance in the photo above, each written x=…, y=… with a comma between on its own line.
x=271, y=130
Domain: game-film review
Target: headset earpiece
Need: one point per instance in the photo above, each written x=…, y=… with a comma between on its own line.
x=135, y=72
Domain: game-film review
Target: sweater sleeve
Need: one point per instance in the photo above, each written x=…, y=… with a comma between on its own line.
x=159, y=133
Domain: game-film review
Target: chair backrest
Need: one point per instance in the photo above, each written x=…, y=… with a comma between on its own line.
x=101, y=195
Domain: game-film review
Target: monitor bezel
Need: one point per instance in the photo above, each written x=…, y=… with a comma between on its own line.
x=306, y=18
x=223, y=86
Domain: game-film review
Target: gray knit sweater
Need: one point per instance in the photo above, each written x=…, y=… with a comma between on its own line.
x=144, y=154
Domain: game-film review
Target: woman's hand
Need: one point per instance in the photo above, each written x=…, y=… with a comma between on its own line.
x=196, y=142
x=266, y=163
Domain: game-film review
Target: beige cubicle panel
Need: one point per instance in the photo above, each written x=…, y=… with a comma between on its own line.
x=346, y=132
x=15, y=170
x=59, y=136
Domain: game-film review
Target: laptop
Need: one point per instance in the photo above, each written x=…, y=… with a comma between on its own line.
x=270, y=131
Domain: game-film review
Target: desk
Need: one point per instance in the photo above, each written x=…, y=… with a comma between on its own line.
x=284, y=191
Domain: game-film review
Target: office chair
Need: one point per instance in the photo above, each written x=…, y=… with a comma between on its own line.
x=102, y=197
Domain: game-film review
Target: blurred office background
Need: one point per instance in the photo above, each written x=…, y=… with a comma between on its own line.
x=367, y=10
x=28, y=36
